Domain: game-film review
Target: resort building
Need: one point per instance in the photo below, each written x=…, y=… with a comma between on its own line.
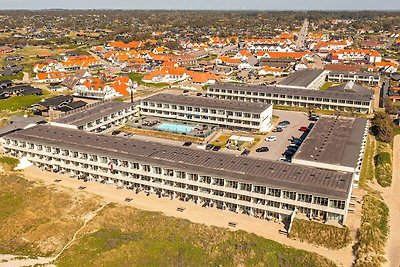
x=295, y=97
x=227, y=114
x=260, y=188
x=354, y=76
x=335, y=143
x=97, y=116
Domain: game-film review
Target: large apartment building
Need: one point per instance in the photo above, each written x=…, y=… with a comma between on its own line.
x=96, y=116
x=354, y=76
x=260, y=188
x=288, y=96
x=236, y=115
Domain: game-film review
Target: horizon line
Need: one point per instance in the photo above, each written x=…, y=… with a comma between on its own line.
x=191, y=10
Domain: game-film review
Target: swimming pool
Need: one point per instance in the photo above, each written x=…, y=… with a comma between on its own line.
x=174, y=128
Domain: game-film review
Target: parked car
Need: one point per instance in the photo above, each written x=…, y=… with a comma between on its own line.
x=304, y=129
x=216, y=148
x=271, y=138
x=262, y=149
x=288, y=153
x=185, y=91
x=245, y=152
x=117, y=132
x=199, y=94
x=277, y=130
x=284, y=123
x=209, y=146
x=313, y=118
x=187, y=144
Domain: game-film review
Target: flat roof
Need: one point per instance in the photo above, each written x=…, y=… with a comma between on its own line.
x=301, y=78
x=335, y=141
x=92, y=112
x=296, y=91
x=320, y=182
x=208, y=102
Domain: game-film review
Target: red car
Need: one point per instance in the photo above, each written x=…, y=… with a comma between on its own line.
x=304, y=129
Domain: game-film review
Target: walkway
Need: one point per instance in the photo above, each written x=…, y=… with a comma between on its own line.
x=392, y=199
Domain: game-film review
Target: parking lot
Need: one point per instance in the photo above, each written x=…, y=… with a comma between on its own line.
x=276, y=148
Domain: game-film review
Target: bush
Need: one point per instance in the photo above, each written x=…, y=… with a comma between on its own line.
x=383, y=169
x=320, y=234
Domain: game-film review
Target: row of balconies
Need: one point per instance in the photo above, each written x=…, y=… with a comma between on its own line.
x=48, y=156
x=252, y=202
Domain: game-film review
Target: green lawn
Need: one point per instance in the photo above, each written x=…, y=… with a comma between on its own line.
x=326, y=86
x=124, y=236
x=17, y=76
x=137, y=77
x=18, y=102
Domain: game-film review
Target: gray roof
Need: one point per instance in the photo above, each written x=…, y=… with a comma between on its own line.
x=92, y=112
x=19, y=123
x=208, y=102
x=335, y=141
x=296, y=91
x=274, y=174
x=301, y=78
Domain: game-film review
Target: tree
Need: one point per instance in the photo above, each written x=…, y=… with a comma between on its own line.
x=382, y=127
x=390, y=108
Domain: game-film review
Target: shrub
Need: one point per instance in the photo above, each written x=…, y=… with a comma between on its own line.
x=320, y=234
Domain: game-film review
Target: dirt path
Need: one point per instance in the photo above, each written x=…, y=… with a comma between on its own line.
x=17, y=260
x=392, y=199
x=192, y=212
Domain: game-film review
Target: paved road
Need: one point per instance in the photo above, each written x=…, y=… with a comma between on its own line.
x=302, y=35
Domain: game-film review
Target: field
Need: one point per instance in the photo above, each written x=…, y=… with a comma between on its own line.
x=35, y=220
x=124, y=236
x=326, y=86
x=18, y=102
x=17, y=76
x=38, y=221
x=320, y=234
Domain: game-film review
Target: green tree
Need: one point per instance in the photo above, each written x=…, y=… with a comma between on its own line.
x=382, y=127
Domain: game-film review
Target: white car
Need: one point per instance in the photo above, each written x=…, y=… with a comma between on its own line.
x=271, y=138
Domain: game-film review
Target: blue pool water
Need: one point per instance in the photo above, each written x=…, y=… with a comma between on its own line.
x=174, y=128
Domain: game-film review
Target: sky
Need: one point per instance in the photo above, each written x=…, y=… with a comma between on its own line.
x=205, y=4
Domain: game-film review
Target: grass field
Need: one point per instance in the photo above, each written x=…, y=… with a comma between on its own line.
x=320, y=234
x=367, y=170
x=35, y=220
x=124, y=236
x=373, y=233
x=17, y=76
x=18, y=102
x=137, y=77
x=326, y=86
x=39, y=221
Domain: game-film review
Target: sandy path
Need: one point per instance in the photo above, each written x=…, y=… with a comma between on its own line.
x=392, y=199
x=14, y=260
x=192, y=212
